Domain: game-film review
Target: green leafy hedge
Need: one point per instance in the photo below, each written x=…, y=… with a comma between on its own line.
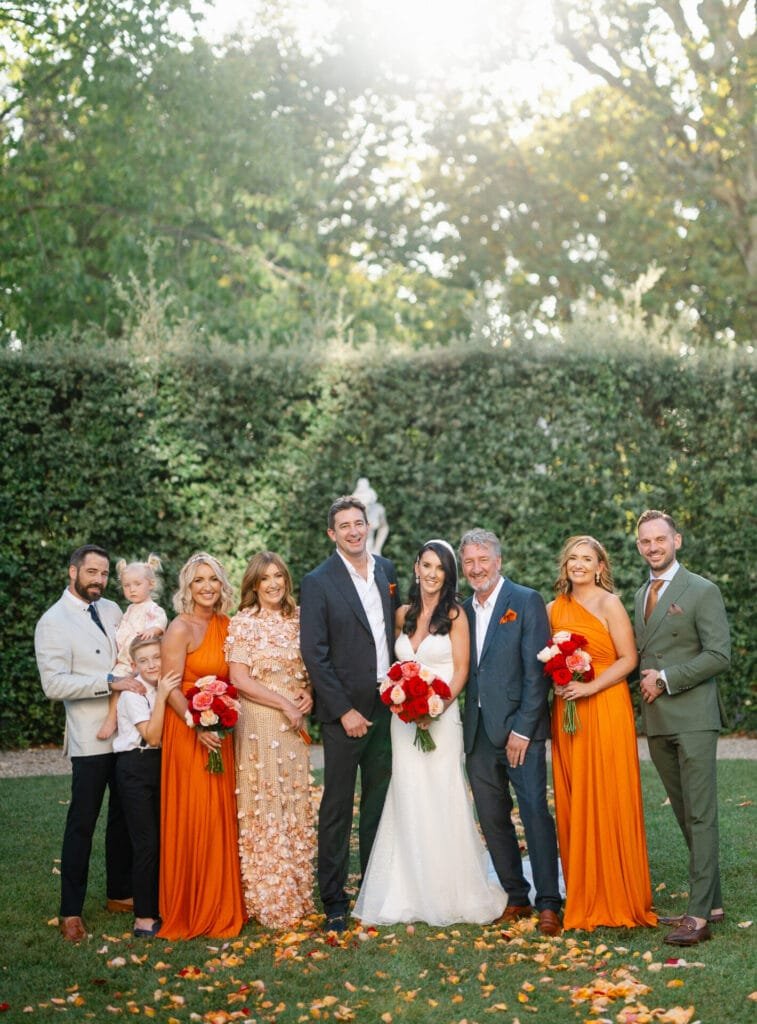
x=233, y=451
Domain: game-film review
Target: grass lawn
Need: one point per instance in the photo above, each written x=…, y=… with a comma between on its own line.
x=469, y=974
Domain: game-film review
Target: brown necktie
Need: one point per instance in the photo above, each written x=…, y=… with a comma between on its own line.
x=652, y=596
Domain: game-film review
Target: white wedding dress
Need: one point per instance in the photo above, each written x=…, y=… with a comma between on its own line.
x=428, y=862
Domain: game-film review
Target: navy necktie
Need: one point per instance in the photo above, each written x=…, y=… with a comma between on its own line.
x=96, y=618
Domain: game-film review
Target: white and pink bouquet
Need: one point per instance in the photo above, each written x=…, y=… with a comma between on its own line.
x=566, y=661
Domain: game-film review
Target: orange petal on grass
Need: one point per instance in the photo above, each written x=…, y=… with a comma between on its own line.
x=677, y=1015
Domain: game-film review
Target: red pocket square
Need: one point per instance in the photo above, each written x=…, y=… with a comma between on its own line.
x=675, y=609
x=509, y=616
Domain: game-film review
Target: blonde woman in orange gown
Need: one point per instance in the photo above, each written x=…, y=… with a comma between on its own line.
x=598, y=804
x=275, y=817
x=200, y=883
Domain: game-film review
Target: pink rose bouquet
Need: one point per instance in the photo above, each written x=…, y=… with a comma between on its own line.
x=212, y=706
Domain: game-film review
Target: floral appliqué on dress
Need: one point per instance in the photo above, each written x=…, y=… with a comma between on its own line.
x=274, y=807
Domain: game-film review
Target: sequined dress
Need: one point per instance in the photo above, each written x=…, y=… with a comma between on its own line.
x=274, y=809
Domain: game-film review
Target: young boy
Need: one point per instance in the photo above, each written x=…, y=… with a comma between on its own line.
x=137, y=749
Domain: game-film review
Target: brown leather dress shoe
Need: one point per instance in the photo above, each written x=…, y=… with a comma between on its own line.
x=120, y=906
x=716, y=918
x=688, y=933
x=549, y=923
x=513, y=913
x=72, y=929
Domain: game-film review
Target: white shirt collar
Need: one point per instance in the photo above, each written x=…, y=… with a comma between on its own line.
x=668, y=574
x=491, y=599
x=370, y=565
x=83, y=605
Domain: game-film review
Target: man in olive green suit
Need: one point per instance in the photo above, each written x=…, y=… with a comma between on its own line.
x=684, y=642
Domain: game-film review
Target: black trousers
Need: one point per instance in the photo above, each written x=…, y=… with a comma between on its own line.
x=343, y=756
x=91, y=776
x=138, y=777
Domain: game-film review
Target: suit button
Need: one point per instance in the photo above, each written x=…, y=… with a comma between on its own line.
x=97, y=650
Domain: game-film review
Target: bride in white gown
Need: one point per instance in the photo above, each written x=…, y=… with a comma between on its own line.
x=428, y=862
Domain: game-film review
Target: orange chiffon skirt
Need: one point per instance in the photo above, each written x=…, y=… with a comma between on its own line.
x=598, y=804
x=200, y=880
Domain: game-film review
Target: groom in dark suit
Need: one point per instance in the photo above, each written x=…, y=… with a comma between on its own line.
x=684, y=642
x=347, y=607
x=506, y=725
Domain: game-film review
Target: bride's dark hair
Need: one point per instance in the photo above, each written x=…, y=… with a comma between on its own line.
x=448, y=607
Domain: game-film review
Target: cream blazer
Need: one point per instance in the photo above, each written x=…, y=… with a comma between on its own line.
x=74, y=659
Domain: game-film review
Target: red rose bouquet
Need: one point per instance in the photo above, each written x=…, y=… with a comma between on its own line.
x=412, y=691
x=566, y=661
x=212, y=706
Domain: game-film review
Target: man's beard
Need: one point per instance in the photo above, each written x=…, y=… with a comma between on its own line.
x=89, y=593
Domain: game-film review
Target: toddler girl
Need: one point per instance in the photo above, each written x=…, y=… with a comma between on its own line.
x=144, y=618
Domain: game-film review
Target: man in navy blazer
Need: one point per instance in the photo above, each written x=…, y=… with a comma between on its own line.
x=506, y=725
x=347, y=607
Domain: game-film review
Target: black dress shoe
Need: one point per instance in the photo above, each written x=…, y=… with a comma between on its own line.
x=335, y=923
x=148, y=933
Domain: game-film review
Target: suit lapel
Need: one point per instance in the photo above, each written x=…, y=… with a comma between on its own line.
x=640, y=625
x=499, y=609
x=346, y=587
x=671, y=594
x=82, y=620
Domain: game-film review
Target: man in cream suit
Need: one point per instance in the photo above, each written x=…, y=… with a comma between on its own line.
x=684, y=642
x=75, y=645
x=505, y=728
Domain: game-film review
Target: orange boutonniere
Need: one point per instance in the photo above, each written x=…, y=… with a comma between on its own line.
x=392, y=589
x=509, y=616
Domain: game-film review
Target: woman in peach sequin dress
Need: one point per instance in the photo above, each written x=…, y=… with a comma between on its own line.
x=200, y=882
x=276, y=834
x=598, y=805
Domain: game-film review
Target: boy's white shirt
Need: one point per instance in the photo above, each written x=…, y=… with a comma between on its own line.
x=133, y=708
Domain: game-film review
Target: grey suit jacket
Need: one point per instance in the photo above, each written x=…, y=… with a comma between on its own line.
x=336, y=640
x=687, y=635
x=509, y=681
x=74, y=659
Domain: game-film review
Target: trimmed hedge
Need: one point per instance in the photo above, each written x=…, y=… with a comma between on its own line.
x=233, y=451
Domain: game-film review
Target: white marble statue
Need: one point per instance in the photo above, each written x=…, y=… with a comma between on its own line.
x=378, y=528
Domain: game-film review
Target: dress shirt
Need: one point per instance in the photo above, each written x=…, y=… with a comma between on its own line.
x=77, y=601
x=667, y=576
x=370, y=598
x=134, y=708
x=484, y=614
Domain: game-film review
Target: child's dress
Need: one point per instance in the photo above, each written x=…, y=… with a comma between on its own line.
x=136, y=619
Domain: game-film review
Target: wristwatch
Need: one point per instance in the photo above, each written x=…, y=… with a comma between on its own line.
x=109, y=679
x=659, y=683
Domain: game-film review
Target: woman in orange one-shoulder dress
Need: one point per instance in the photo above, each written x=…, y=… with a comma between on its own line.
x=200, y=880
x=598, y=803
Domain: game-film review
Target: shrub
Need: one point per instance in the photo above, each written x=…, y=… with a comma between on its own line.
x=233, y=451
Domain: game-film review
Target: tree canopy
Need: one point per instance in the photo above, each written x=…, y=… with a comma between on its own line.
x=290, y=193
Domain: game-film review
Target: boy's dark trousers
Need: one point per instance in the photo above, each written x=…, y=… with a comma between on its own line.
x=138, y=778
